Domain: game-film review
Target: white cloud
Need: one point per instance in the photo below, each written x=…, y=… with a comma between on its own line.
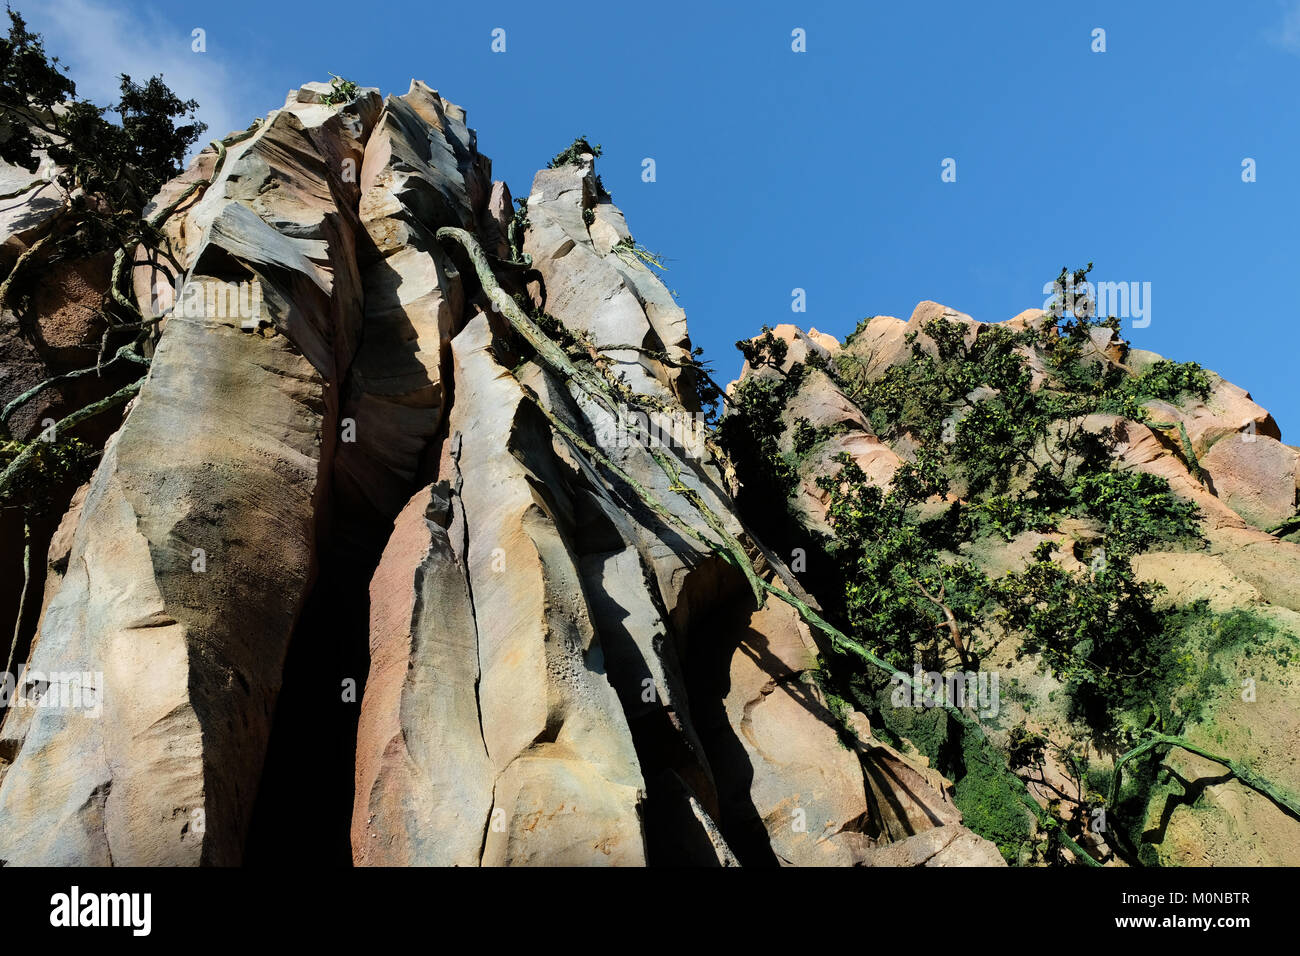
x=1287, y=34
x=97, y=42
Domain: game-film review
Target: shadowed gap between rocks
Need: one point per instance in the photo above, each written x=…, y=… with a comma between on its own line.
x=305, y=801
x=708, y=681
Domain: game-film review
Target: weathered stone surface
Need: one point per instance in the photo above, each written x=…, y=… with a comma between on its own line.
x=1141, y=448
x=593, y=289
x=25, y=216
x=418, y=175
x=494, y=222
x=804, y=789
x=582, y=603
x=559, y=673
x=1227, y=410
x=906, y=798
x=568, y=782
x=1270, y=565
x=927, y=312
x=829, y=342
x=821, y=404
x=941, y=846
x=1256, y=479
x=879, y=346
x=190, y=661
x=194, y=549
x=424, y=781
x=51, y=324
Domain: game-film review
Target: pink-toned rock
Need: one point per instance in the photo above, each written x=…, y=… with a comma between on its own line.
x=829, y=342
x=1270, y=565
x=424, y=780
x=1141, y=448
x=820, y=402
x=799, y=346
x=568, y=785
x=877, y=460
x=879, y=346
x=1256, y=478
x=927, y=312
x=1029, y=319
x=419, y=173
x=1227, y=412
x=806, y=788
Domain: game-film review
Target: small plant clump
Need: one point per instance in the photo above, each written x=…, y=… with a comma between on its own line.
x=573, y=154
x=341, y=91
x=632, y=251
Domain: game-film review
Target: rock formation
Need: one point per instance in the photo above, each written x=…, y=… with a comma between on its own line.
x=1220, y=451
x=382, y=567
x=557, y=674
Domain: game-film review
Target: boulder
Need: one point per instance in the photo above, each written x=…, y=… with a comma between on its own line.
x=1255, y=476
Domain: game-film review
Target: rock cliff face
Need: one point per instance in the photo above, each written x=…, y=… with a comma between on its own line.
x=1216, y=449
x=360, y=547
x=383, y=565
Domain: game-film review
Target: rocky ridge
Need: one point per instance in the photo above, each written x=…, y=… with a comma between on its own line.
x=362, y=563
x=1221, y=452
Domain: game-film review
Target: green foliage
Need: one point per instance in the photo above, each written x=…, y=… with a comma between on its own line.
x=66, y=460
x=1025, y=749
x=994, y=425
x=985, y=794
x=1136, y=510
x=1020, y=454
x=518, y=226
x=991, y=807
x=108, y=170
x=975, y=401
x=341, y=91
x=1011, y=515
x=803, y=436
x=897, y=583
x=573, y=154
x=1211, y=648
x=29, y=82
x=765, y=351
x=125, y=162
x=632, y=251
x=751, y=433
x=1168, y=381
x=1097, y=631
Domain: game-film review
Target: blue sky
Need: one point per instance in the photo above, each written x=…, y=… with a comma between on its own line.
x=821, y=170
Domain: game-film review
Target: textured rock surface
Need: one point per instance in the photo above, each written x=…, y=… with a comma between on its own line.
x=193, y=551
x=1255, y=478
x=547, y=670
x=424, y=780
x=1232, y=465
x=50, y=325
x=551, y=672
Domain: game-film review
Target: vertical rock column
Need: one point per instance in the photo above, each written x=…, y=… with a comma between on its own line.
x=194, y=547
